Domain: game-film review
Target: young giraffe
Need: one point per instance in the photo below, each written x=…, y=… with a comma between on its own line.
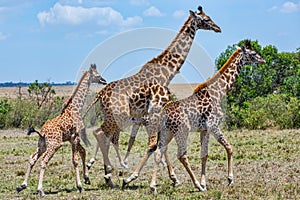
x=160, y=70
x=202, y=112
x=142, y=101
x=64, y=127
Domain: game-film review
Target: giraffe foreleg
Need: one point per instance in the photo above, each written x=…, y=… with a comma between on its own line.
x=152, y=129
x=32, y=160
x=204, y=139
x=115, y=142
x=82, y=154
x=152, y=147
x=181, y=140
x=221, y=139
x=75, y=152
x=184, y=160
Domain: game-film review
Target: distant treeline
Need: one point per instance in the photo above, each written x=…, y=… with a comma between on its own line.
x=22, y=84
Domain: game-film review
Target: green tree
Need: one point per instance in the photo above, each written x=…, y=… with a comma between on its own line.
x=280, y=75
x=41, y=92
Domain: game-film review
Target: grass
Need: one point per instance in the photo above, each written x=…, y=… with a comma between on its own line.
x=266, y=166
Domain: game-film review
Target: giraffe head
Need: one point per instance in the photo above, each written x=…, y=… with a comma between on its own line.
x=95, y=76
x=203, y=21
x=249, y=55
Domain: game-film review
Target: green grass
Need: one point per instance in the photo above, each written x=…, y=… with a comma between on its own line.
x=266, y=166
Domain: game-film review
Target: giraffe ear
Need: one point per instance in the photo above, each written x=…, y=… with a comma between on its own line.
x=243, y=48
x=93, y=66
x=192, y=14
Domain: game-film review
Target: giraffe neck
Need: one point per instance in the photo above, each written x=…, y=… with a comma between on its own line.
x=224, y=79
x=165, y=66
x=76, y=102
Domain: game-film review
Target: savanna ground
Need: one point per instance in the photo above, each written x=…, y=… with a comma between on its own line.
x=266, y=166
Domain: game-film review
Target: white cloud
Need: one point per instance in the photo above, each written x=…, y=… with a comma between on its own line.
x=76, y=15
x=287, y=7
x=179, y=14
x=290, y=7
x=153, y=12
x=3, y=36
x=272, y=8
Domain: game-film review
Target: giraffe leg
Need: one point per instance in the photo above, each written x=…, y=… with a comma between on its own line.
x=152, y=147
x=134, y=131
x=204, y=138
x=152, y=129
x=184, y=160
x=75, y=151
x=221, y=139
x=32, y=160
x=172, y=174
x=115, y=142
x=181, y=140
x=82, y=154
x=104, y=143
x=93, y=159
x=51, y=149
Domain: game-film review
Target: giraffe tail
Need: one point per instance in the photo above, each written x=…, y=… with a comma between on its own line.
x=97, y=97
x=32, y=130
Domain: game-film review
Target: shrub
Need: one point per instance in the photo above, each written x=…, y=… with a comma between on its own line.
x=23, y=113
x=274, y=110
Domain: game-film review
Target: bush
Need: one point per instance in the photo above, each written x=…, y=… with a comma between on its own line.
x=274, y=110
x=23, y=113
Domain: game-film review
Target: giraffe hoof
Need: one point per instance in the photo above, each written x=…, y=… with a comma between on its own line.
x=41, y=193
x=87, y=181
x=230, y=181
x=153, y=188
x=20, y=188
x=124, y=184
x=176, y=183
x=204, y=187
x=80, y=189
x=109, y=182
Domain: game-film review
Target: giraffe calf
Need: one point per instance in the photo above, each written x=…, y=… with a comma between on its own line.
x=64, y=127
x=202, y=112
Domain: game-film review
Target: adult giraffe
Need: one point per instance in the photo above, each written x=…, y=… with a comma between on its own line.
x=114, y=99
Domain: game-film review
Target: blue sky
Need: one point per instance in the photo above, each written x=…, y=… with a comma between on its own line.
x=52, y=40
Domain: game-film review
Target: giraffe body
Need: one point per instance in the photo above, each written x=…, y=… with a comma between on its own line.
x=62, y=128
x=202, y=112
x=114, y=99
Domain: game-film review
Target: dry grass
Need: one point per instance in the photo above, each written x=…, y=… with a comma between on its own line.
x=266, y=166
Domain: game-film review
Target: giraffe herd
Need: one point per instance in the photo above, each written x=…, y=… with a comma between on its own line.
x=144, y=99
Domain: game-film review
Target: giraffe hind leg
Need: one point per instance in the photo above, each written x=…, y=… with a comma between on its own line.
x=32, y=160
x=204, y=139
x=50, y=151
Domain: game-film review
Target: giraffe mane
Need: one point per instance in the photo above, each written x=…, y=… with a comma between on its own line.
x=75, y=91
x=218, y=73
x=167, y=104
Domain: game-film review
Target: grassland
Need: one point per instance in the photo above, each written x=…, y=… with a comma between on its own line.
x=266, y=166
